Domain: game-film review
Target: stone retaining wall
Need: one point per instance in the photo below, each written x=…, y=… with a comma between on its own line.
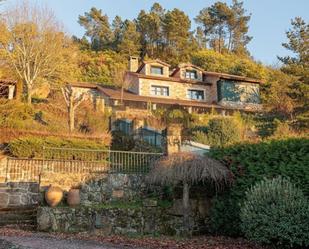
x=112, y=186
x=107, y=221
x=19, y=194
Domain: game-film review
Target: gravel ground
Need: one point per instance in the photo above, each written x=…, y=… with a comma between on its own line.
x=45, y=242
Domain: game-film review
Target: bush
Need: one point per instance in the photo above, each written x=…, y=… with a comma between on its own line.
x=276, y=212
x=14, y=114
x=250, y=163
x=32, y=146
x=219, y=132
x=223, y=131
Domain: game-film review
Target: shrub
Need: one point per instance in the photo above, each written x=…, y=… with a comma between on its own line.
x=223, y=131
x=200, y=137
x=276, y=212
x=250, y=163
x=14, y=114
x=219, y=132
x=32, y=146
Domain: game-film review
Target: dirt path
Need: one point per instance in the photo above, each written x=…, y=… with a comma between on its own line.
x=45, y=242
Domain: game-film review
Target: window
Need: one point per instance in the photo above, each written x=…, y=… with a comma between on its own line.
x=196, y=94
x=237, y=91
x=124, y=126
x=191, y=74
x=160, y=90
x=156, y=70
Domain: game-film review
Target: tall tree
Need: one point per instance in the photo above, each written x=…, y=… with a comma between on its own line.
x=33, y=43
x=298, y=64
x=117, y=28
x=97, y=28
x=149, y=25
x=225, y=27
x=238, y=29
x=179, y=41
x=130, y=40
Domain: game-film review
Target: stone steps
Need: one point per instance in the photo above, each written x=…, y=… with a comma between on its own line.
x=21, y=217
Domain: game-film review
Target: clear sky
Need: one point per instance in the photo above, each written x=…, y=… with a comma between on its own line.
x=270, y=18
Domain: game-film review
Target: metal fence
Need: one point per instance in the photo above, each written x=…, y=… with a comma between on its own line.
x=78, y=161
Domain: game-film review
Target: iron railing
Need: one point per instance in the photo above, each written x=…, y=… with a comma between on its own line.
x=78, y=161
x=115, y=161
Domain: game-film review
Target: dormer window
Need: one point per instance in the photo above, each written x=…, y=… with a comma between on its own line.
x=191, y=74
x=157, y=70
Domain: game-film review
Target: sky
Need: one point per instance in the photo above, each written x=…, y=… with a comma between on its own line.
x=269, y=21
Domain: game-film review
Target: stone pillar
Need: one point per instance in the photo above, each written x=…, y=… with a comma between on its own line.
x=173, y=138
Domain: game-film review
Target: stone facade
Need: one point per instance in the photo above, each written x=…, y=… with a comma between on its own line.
x=19, y=194
x=176, y=90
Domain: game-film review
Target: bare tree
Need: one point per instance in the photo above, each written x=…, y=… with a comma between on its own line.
x=120, y=79
x=33, y=43
x=187, y=169
x=72, y=100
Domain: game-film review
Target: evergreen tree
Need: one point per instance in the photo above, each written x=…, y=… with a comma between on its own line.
x=225, y=27
x=149, y=25
x=117, y=28
x=130, y=39
x=238, y=28
x=97, y=29
x=298, y=65
x=178, y=37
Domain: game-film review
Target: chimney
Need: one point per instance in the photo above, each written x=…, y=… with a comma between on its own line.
x=133, y=63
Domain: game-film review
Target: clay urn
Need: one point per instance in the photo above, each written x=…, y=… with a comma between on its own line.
x=73, y=198
x=53, y=196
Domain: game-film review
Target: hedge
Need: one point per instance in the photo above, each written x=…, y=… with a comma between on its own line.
x=250, y=163
x=32, y=146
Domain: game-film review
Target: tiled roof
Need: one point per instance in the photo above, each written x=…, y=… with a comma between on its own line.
x=115, y=94
x=7, y=82
x=173, y=79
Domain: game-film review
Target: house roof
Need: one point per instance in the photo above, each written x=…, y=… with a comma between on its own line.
x=173, y=79
x=185, y=65
x=232, y=77
x=7, y=82
x=152, y=61
x=115, y=94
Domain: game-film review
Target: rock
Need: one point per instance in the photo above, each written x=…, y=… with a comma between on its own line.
x=150, y=203
x=43, y=220
x=117, y=194
x=4, y=200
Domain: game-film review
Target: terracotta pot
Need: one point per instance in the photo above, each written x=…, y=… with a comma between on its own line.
x=53, y=196
x=73, y=198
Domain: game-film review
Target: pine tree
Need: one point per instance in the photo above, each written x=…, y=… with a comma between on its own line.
x=117, y=28
x=97, y=29
x=130, y=40
x=298, y=65
x=225, y=27
x=178, y=37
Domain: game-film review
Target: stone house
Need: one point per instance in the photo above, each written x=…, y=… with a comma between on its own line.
x=153, y=85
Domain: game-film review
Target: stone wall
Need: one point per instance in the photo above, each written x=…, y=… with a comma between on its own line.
x=19, y=194
x=115, y=220
x=112, y=186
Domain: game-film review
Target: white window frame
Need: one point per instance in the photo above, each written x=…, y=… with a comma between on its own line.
x=155, y=66
x=196, y=89
x=154, y=85
x=190, y=71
